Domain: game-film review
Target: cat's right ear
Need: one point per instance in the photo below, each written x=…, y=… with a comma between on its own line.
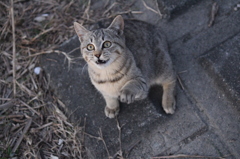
x=117, y=24
x=80, y=30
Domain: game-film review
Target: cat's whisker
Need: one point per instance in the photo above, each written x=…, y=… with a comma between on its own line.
x=83, y=68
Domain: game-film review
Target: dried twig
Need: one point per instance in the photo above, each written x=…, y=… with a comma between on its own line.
x=27, y=126
x=3, y=4
x=186, y=156
x=92, y=136
x=7, y=99
x=68, y=57
x=25, y=89
x=12, y=116
x=41, y=127
x=13, y=49
x=109, y=8
x=120, y=152
x=104, y=143
x=183, y=72
x=100, y=138
x=86, y=12
x=149, y=8
x=124, y=12
x=42, y=33
x=18, y=120
x=7, y=105
x=214, y=11
x=68, y=5
x=131, y=147
x=30, y=108
x=180, y=82
x=77, y=48
x=159, y=12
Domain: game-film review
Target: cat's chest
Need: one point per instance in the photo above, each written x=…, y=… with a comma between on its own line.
x=109, y=88
x=108, y=84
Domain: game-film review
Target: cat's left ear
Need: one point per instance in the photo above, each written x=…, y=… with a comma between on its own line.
x=80, y=30
x=117, y=24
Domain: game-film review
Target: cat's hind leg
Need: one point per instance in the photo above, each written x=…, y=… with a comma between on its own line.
x=169, y=92
x=168, y=98
x=112, y=106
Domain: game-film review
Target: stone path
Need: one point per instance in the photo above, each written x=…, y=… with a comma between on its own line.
x=207, y=60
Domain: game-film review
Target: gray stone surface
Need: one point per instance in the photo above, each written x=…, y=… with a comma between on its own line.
x=175, y=7
x=206, y=59
x=208, y=144
x=223, y=64
x=163, y=136
x=201, y=89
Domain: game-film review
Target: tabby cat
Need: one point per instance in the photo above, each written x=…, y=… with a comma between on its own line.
x=125, y=59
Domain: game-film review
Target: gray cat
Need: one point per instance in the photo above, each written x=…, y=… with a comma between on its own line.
x=124, y=60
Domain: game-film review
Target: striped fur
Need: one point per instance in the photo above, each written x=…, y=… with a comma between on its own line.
x=123, y=63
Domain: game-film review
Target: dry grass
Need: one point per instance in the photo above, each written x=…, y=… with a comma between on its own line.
x=32, y=124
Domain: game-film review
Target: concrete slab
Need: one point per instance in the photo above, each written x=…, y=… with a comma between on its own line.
x=201, y=89
x=195, y=20
x=223, y=65
x=175, y=7
x=212, y=105
x=196, y=43
x=185, y=124
x=208, y=145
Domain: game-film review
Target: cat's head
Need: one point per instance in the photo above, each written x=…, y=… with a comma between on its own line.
x=102, y=47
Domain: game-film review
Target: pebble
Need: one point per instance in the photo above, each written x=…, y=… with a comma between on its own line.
x=37, y=70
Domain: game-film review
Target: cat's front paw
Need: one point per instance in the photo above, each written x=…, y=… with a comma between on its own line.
x=111, y=113
x=127, y=96
x=169, y=106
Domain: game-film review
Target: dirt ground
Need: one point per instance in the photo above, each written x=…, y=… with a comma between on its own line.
x=32, y=119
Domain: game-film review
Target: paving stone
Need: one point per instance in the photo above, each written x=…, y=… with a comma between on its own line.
x=175, y=7
x=222, y=64
x=197, y=43
x=202, y=89
x=183, y=125
x=195, y=21
x=206, y=145
x=213, y=105
x=168, y=9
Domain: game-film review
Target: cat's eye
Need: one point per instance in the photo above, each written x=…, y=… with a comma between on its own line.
x=107, y=44
x=90, y=47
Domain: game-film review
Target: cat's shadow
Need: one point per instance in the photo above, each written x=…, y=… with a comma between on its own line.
x=155, y=96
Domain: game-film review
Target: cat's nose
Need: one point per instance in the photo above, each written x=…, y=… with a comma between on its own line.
x=97, y=55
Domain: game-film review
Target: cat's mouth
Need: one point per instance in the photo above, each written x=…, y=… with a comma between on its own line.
x=101, y=62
